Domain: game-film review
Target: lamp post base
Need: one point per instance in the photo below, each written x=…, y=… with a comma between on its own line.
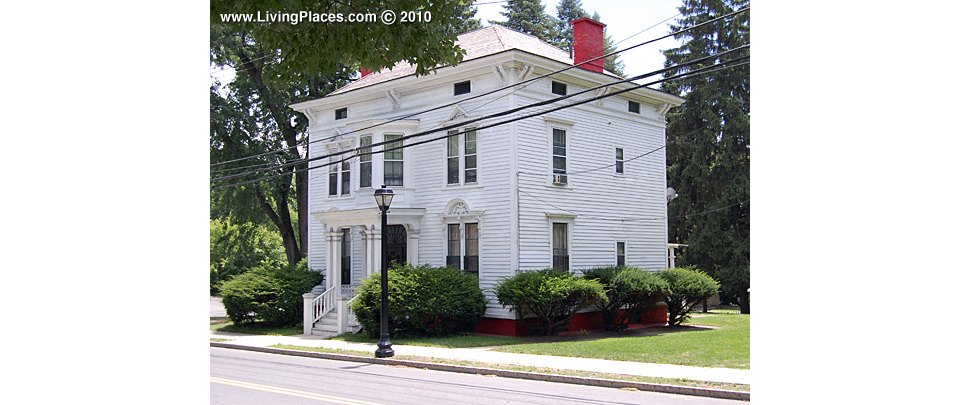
x=384, y=348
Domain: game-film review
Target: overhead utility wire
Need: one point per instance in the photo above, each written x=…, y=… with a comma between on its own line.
x=687, y=74
x=495, y=90
x=500, y=114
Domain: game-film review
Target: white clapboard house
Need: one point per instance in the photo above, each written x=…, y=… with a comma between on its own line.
x=565, y=189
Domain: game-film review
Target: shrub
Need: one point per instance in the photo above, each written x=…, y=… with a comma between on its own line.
x=552, y=295
x=272, y=294
x=688, y=286
x=423, y=300
x=629, y=288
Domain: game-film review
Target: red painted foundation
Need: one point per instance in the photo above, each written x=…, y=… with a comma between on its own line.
x=589, y=321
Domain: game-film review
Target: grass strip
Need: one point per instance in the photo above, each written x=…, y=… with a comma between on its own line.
x=532, y=369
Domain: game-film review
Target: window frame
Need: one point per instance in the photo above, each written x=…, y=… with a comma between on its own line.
x=366, y=162
x=620, y=255
x=393, y=181
x=553, y=150
x=630, y=106
x=346, y=250
x=619, y=166
x=337, y=114
x=553, y=243
x=457, y=164
x=555, y=86
x=460, y=92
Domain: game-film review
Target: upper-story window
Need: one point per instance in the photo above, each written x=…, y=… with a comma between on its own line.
x=462, y=157
x=340, y=113
x=392, y=161
x=461, y=88
x=366, y=162
x=339, y=176
x=559, y=88
x=559, y=151
x=633, y=107
x=619, y=159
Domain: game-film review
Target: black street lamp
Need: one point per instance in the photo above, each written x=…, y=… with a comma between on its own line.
x=384, y=197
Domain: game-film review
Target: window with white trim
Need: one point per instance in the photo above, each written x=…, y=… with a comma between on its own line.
x=462, y=157
x=345, y=257
x=561, y=251
x=366, y=162
x=559, y=142
x=463, y=248
x=339, y=178
x=392, y=161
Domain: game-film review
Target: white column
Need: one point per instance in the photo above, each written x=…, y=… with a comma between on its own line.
x=308, y=313
x=413, y=246
x=373, y=251
x=333, y=259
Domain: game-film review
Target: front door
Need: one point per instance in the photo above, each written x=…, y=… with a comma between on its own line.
x=396, y=244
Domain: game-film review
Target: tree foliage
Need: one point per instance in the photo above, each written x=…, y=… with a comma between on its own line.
x=464, y=21
x=553, y=296
x=422, y=300
x=688, y=286
x=630, y=292
x=308, y=47
x=238, y=247
x=708, y=149
x=528, y=16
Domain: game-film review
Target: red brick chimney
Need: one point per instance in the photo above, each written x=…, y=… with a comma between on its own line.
x=588, y=43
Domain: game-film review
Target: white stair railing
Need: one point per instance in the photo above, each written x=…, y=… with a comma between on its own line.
x=324, y=303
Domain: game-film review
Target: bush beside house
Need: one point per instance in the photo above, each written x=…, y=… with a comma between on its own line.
x=630, y=292
x=272, y=294
x=553, y=296
x=688, y=287
x=423, y=300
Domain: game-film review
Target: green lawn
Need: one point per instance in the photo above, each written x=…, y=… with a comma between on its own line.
x=728, y=346
x=450, y=341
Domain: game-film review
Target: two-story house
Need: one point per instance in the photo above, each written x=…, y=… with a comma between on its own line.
x=575, y=188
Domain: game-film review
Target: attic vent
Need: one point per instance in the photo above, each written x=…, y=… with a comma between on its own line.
x=340, y=114
x=633, y=107
x=461, y=88
x=560, y=88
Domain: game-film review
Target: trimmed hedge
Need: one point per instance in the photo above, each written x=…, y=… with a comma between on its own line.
x=688, y=286
x=270, y=294
x=423, y=300
x=552, y=295
x=629, y=288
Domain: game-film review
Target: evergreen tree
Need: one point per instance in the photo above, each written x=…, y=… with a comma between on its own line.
x=708, y=149
x=528, y=16
x=464, y=20
x=568, y=11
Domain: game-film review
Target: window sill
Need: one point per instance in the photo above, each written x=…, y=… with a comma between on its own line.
x=462, y=186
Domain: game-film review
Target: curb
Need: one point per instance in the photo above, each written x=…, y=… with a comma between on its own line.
x=599, y=382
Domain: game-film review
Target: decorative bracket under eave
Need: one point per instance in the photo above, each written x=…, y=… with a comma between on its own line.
x=601, y=93
x=663, y=109
x=501, y=73
x=394, y=98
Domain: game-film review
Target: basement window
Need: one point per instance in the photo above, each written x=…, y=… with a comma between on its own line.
x=341, y=113
x=560, y=88
x=633, y=107
x=461, y=88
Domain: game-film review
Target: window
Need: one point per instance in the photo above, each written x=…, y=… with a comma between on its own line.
x=392, y=161
x=619, y=159
x=469, y=154
x=621, y=253
x=559, y=151
x=561, y=254
x=633, y=107
x=339, y=171
x=461, y=88
x=345, y=257
x=366, y=162
x=466, y=256
x=332, y=181
x=560, y=88
x=340, y=114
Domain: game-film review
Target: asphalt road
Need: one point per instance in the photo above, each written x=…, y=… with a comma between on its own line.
x=244, y=377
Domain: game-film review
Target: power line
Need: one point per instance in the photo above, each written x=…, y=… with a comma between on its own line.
x=492, y=91
x=507, y=112
x=358, y=151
